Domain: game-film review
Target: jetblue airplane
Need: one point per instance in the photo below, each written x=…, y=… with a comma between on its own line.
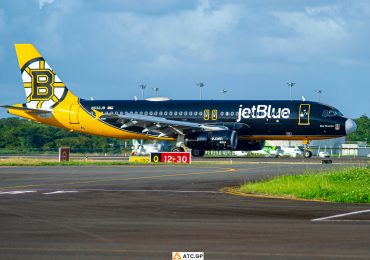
x=196, y=124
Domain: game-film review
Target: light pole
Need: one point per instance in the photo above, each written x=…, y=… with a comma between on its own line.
x=200, y=85
x=318, y=91
x=155, y=90
x=142, y=87
x=223, y=92
x=290, y=85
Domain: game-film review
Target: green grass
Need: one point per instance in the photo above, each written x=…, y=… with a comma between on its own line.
x=350, y=185
x=37, y=162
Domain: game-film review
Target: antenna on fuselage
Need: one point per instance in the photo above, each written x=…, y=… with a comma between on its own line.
x=135, y=98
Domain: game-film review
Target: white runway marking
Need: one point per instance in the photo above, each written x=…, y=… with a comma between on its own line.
x=341, y=215
x=15, y=192
x=60, y=192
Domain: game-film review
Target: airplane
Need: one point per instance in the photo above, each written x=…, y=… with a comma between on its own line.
x=199, y=125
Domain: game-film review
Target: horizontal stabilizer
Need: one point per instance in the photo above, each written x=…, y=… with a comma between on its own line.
x=29, y=110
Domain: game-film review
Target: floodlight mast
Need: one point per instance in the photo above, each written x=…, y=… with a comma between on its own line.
x=142, y=87
x=200, y=85
x=318, y=92
x=155, y=90
x=290, y=85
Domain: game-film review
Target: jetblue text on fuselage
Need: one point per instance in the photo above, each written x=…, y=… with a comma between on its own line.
x=263, y=111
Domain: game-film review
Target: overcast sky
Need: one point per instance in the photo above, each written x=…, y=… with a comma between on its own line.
x=105, y=49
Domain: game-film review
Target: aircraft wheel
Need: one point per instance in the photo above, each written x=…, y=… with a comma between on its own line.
x=197, y=153
x=307, y=154
x=178, y=149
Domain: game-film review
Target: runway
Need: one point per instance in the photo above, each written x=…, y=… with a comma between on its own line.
x=148, y=211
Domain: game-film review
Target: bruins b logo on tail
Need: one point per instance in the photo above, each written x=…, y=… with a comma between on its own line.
x=43, y=87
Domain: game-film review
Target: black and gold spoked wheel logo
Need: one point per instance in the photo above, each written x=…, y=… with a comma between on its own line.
x=41, y=85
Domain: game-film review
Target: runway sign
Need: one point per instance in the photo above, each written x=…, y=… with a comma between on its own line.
x=169, y=157
x=64, y=154
x=139, y=159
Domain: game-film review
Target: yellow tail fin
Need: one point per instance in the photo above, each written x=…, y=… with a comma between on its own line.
x=44, y=89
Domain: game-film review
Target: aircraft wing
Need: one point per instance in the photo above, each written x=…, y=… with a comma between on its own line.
x=159, y=126
x=41, y=112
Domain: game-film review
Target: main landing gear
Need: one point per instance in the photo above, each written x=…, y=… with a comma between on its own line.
x=307, y=153
x=194, y=152
x=178, y=149
x=197, y=153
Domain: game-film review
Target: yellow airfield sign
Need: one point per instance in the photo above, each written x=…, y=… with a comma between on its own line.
x=139, y=159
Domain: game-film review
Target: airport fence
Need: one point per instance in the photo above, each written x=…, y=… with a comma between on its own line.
x=126, y=150
x=55, y=151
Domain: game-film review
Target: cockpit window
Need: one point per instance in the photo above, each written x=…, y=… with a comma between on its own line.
x=331, y=113
x=339, y=113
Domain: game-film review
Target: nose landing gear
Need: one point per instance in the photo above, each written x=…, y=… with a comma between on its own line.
x=307, y=153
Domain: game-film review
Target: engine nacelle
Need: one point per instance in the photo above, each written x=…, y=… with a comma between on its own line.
x=249, y=145
x=213, y=140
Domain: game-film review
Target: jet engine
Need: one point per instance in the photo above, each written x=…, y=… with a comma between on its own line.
x=213, y=140
x=249, y=145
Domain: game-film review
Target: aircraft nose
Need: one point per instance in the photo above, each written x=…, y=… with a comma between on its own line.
x=350, y=126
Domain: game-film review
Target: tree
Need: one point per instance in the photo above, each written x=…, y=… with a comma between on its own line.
x=19, y=135
x=363, y=130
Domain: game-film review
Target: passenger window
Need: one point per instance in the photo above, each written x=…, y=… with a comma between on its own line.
x=185, y=113
x=195, y=113
x=227, y=114
x=190, y=113
x=170, y=113
x=146, y=113
x=200, y=113
x=180, y=113
x=325, y=113
x=155, y=113
x=232, y=114
x=175, y=113
x=151, y=113
x=222, y=113
x=141, y=112
x=160, y=113
x=165, y=113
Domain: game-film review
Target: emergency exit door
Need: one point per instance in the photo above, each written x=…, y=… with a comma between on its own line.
x=304, y=114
